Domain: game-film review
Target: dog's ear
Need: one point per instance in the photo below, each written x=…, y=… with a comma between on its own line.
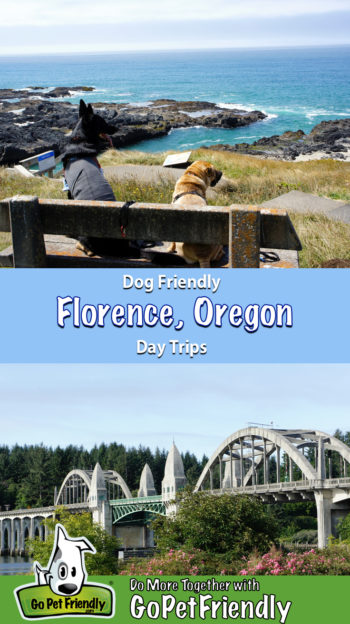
x=82, y=108
x=89, y=110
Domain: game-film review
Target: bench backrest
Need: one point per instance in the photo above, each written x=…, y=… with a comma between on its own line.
x=244, y=228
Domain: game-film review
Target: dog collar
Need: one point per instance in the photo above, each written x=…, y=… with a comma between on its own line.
x=186, y=193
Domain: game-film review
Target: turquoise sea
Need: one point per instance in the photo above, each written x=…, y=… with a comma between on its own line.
x=296, y=87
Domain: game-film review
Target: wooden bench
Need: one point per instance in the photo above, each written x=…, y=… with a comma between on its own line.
x=39, y=229
x=45, y=163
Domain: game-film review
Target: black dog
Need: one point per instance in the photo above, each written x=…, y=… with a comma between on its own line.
x=83, y=173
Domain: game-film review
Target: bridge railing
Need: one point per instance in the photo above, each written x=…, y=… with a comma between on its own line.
x=303, y=484
x=338, y=482
x=119, y=502
x=24, y=512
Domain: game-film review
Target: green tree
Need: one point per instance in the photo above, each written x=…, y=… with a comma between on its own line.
x=105, y=560
x=343, y=529
x=216, y=524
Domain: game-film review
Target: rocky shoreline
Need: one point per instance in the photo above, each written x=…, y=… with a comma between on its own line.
x=329, y=139
x=32, y=120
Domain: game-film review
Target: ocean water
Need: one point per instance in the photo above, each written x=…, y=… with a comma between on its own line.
x=296, y=87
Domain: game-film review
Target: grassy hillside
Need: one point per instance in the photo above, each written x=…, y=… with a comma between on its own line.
x=253, y=181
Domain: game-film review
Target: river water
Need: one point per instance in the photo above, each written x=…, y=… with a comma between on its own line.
x=15, y=565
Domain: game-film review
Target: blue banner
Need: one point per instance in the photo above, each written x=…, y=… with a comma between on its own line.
x=199, y=316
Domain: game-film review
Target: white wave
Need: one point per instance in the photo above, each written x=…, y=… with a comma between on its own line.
x=139, y=104
x=252, y=136
x=234, y=106
x=269, y=116
x=322, y=112
x=25, y=123
x=18, y=111
x=76, y=93
x=189, y=128
x=192, y=145
x=200, y=113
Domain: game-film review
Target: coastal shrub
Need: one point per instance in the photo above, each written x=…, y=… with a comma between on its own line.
x=322, y=239
x=252, y=180
x=170, y=563
x=180, y=561
x=131, y=190
x=216, y=524
x=343, y=529
x=12, y=184
x=334, y=561
x=306, y=536
x=105, y=560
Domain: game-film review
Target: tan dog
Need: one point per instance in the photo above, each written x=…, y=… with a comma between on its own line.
x=190, y=190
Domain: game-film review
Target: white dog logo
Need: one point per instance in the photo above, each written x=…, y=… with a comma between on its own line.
x=65, y=573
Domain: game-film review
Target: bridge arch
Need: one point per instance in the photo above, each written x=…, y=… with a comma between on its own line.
x=114, y=478
x=76, y=486
x=243, y=452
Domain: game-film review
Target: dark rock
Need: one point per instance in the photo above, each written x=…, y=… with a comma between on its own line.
x=330, y=137
x=44, y=123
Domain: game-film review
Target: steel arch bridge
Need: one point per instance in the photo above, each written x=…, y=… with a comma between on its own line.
x=284, y=465
x=126, y=507
x=77, y=484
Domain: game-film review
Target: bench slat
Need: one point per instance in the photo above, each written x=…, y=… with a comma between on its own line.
x=156, y=222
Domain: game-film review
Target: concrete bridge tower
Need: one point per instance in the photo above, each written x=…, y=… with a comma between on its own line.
x=174, y=477
x=146, y=483
x=98, y=499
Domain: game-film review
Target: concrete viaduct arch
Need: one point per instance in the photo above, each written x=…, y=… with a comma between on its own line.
x=242, y=464
x=76, y=486
x=19, y=525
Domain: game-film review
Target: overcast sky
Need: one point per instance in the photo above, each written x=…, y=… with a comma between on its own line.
x=32, y=26
x=198, y=405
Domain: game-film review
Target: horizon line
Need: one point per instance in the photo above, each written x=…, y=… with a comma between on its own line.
x=185, y=49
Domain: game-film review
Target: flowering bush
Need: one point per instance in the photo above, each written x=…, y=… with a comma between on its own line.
x=172, y=562
x=334, y=560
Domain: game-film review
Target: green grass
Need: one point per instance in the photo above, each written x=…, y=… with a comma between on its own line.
x=252, y=181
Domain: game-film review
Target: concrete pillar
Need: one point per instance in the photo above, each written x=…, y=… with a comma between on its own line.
x=12, y=537
x=290, y=470
x=253, y=461
x=241, y=463
x=321, y=460
x=211, y=478
x=20, y=537
x=278, y=464
x=3, y=529
x=22, y=534
x=220, y=471
x=330, y=466
x=324, y=517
